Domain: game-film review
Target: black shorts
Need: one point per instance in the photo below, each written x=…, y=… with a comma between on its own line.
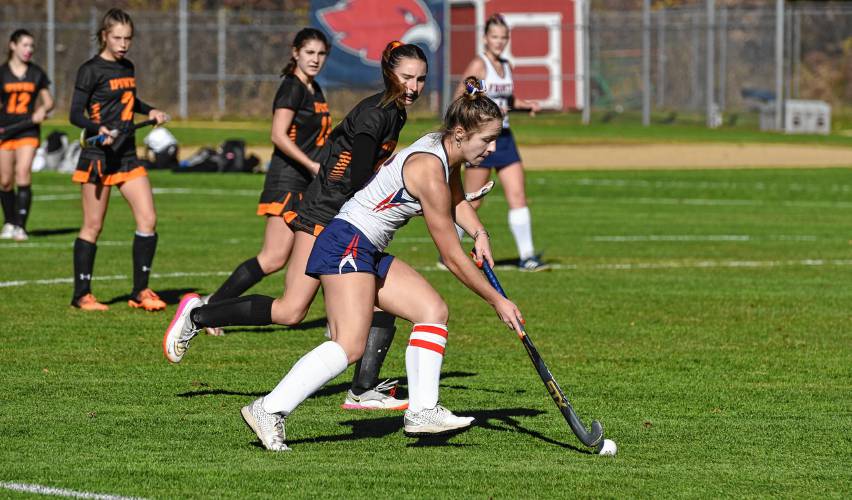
x=300, y=223
x=282, y=189
x=108, y=168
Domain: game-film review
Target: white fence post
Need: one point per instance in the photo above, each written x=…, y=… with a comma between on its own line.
x=221, y=44
x=183, y=110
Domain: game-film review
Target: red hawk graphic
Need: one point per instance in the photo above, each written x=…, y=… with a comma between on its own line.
x=364, y=27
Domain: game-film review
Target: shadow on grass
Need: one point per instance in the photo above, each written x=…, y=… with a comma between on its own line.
x=170, y=296
x=498, y=419
x=52, y=232
x=328, y=390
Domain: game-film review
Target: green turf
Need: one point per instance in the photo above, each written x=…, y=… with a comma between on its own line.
x=702, y=316
x=547, y=128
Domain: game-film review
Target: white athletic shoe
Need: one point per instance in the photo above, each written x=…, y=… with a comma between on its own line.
x=213, y=331
x=437, y=420
x=181, y=330
x=7, y=232
x=20, y=234
x=380, y=397
x=269, y=427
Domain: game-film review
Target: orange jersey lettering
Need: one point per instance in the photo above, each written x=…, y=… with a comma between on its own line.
x=122, y=83
x=19, y=87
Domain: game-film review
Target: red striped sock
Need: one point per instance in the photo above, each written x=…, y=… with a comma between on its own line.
x=423, y=359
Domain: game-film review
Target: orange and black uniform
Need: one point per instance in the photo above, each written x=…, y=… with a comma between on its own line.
x=106, y=92
x=17, y=103
x=287, y=179
x=354, y=150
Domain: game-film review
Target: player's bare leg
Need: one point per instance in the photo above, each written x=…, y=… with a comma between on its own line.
x=139, y=196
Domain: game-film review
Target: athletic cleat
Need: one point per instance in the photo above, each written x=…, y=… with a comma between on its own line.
x=181, y=330
x=20, y=234
x=213, y=331
x=269, y=427
x=533, y=264
x=380, y=397
x=147, y=300
x=7, y=232
x=437, y=420
x=88, y=302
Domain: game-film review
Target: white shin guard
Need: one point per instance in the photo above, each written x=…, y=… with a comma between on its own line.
x=520, y=223
x=311, y=372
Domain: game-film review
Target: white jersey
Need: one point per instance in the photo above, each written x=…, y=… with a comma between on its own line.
x=383, y=205
x=499, y=88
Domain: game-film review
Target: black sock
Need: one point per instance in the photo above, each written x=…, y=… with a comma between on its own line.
x=245, y=276
x=22, y=205
x=378, y=342
x=251, y=310
x=84, y=262
x=144, y=247
x=7, y=198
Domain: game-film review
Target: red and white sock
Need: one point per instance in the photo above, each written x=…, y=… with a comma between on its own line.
x=311, y=372
x=423, y=359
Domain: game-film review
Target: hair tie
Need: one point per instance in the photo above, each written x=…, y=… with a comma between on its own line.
x=396, y=43
x=472, y=89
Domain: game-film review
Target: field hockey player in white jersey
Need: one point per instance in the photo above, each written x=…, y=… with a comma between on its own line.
x=356, y=274
x=506, y=161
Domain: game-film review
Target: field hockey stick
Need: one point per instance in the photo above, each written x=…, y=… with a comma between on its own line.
x=99, y=139
x=479, y=193
x=594, y=438
x=16, y=127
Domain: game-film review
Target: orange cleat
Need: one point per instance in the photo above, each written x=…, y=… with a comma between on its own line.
x=88, y=302
x=147, y=300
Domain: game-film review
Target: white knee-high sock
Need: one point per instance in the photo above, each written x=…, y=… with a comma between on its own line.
x=521, y=226
x=423, y=359
x=311, y=372
x=460, y=232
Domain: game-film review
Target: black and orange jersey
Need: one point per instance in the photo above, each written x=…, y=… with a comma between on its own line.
x=111, y=90
x=333, y=185
x=18, y=96
x=309, y=130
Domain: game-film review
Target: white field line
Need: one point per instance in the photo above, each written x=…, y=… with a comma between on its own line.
x=60, y=244
x=702, y=185
x=115, y=277
x=625, y=266
x=159, y=191
x=691, y=238
x=59, y=492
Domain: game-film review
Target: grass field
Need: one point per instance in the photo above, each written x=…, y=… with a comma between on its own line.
x=702, y=316
x=547, y=128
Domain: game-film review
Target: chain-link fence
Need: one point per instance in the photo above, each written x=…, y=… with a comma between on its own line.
x=720, y=60
x=683, y=63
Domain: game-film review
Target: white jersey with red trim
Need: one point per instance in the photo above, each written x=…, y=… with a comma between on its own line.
x=499, y=88
x=383, y=205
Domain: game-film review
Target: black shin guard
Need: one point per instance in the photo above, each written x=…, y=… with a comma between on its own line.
x=251, y=310
x=144, y=247
x=23, y=200
x=245, y=276
x=378, y=342
x=84, y=262
x=7, y=199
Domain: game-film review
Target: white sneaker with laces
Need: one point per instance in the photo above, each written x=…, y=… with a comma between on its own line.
x=380, y=397
x=7, y=232
x=182, y=329
x=20, y=234
x=437, y=420
x=269, y=427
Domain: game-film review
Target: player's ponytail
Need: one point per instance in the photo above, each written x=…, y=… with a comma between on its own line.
x=395, y=52
x=302, y=37
x=16, y=37
x=471, y=109
x=110, y=19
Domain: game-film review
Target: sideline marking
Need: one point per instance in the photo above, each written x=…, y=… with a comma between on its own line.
x=39, y=489
x=626, y=266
